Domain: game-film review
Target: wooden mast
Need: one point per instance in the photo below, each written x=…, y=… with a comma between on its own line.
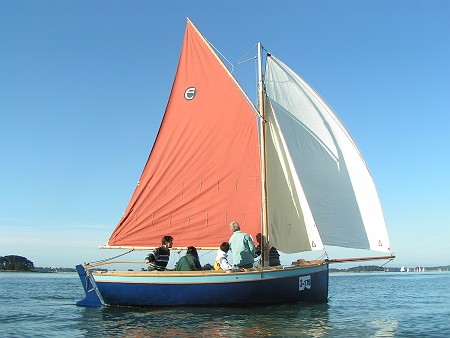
x=264, y=221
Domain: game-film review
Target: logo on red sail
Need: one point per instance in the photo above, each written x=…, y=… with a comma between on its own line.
x=189, y=94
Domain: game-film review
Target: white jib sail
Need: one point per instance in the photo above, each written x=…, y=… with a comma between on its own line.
x=315, y=171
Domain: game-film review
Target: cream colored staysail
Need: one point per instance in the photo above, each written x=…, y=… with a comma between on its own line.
x=318, y=182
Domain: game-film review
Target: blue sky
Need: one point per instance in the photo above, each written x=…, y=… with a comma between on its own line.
x=84, y=84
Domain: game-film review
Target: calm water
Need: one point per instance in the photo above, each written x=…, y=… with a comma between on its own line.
x=360, y=305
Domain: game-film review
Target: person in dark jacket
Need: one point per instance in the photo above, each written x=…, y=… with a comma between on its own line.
x=190, y=261
x=159, y=257
x=274, y=256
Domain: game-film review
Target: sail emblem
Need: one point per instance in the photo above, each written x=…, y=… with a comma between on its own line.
x=189, y=94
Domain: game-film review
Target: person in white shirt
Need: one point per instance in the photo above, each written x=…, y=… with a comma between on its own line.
x=221, y=262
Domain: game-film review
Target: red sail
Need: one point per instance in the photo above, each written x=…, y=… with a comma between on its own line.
x=203, y=171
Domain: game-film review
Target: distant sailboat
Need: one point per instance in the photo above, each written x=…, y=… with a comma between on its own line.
x=287, y=169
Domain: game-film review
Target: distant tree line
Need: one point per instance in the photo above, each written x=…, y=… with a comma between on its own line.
x=375, y=268
x=49, y=269
x=361, y=268
x=366, y=268
x=15, y=263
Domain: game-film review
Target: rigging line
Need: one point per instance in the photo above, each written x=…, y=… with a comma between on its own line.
x=391, y=259
x=200, y=255
x=322, y=256
x=345, y=287
x=111, y=258
x=241, y=61
x=206, y=253
x=337, y=292
x=325, y=254
x=244, y=61
x=233, y=65
x=218, y=52
x=224, y=60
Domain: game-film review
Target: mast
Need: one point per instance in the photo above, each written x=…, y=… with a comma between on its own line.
x=264, y=224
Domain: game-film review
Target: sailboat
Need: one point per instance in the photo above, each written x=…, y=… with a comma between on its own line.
x=287, y=169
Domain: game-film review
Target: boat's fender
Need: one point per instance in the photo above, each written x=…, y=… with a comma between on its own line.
x=92, y=299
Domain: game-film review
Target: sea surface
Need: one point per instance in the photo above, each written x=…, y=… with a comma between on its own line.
x=360, y=305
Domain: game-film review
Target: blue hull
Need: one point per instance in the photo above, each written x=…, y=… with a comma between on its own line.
x=206, y=288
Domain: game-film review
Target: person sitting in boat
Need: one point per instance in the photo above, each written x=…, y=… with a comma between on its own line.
x=190, y=261
x=241, y=247
x=221, y=262
x=274, y=256
x=159, y=257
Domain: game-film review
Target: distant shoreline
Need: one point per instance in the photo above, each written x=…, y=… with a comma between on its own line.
x=44, y=270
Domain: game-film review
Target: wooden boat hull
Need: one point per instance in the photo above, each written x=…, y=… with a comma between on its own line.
x=205, y=288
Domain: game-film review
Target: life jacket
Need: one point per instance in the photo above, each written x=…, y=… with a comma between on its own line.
x=217, y=265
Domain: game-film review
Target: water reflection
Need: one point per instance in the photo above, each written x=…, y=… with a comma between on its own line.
x=299, y=320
